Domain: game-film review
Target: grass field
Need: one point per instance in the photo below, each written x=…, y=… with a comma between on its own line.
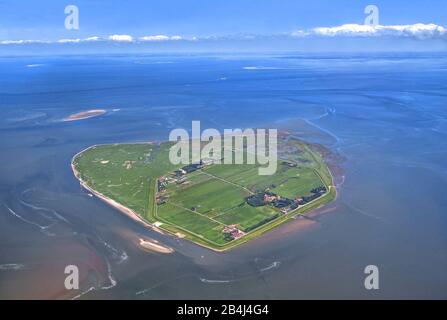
x=124, y=172
x=210, y=198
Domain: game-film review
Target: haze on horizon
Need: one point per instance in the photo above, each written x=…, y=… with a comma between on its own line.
x=119, y=26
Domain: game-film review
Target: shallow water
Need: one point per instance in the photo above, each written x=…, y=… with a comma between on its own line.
x=384, y=116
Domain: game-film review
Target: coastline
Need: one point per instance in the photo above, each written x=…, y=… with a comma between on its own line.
x=130, y=213
x=146, y=244
x=313, y=206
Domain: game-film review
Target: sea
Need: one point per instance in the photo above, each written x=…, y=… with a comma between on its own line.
x=381, y=117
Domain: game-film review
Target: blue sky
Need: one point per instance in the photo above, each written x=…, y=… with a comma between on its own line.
x=43, y=20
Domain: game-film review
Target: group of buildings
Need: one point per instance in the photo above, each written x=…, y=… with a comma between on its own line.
x=179, y=176
x=285, y=205
x=232, y=232
x=262, y=198
x=314, y=194
x=193, y=167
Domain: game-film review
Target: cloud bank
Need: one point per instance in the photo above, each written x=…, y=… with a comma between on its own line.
x=23, y=41
x=160, y=37
x=77, y=40
x=121, y=38
x=418, y=30
x=111, y=38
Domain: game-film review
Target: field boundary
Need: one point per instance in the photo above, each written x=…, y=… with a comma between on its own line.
x=151, y=215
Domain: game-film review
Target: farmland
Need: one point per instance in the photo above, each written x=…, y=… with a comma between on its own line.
x=215, y=205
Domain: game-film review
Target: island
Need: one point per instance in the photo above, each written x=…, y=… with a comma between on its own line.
x=214, y=205
x=85, y=115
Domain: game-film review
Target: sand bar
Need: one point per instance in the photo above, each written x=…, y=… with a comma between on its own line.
x=85, y=115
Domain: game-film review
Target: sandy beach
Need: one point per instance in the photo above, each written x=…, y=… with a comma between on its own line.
x=155, y=246
x=146, y=244
x=85, y=115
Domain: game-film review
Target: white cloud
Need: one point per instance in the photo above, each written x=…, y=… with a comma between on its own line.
x=160, y=37
x=346, y=29
x=69, y=40
x=155, y=38
x=121, y=38
x=22, y=41
x=77, y=40
x=418, y=30
x=115, y=37
x=13, y=41
x=94, y=38
x=300, y=34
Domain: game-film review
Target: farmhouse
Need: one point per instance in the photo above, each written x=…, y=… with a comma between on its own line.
x=315, y=193
x=160, y=200
x=270, y=197
x=179, y=172
x=162, y=183
x=192, y=167
x=232, y=232
x=319, y=190
x=256, y=200
x=282, y=203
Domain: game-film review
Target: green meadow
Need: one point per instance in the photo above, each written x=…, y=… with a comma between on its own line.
x=210, y=198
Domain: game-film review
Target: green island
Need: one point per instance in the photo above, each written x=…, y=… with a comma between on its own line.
x=218, y=206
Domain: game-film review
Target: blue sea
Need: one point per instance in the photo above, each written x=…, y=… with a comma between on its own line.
x=382, y=116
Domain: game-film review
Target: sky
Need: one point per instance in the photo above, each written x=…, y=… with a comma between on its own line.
x=223, y=25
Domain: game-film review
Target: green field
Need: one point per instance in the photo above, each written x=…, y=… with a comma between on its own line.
x=124, y=172
x=201, y=204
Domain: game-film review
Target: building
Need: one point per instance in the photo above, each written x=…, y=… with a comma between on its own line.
x=232, y=231
x=270, y=197
x=256, y=200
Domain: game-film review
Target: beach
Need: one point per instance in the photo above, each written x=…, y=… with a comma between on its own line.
x=147, y=244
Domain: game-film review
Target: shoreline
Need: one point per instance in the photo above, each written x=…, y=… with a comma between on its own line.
x=129, y=212
x=136, y=217
x=146, y=244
